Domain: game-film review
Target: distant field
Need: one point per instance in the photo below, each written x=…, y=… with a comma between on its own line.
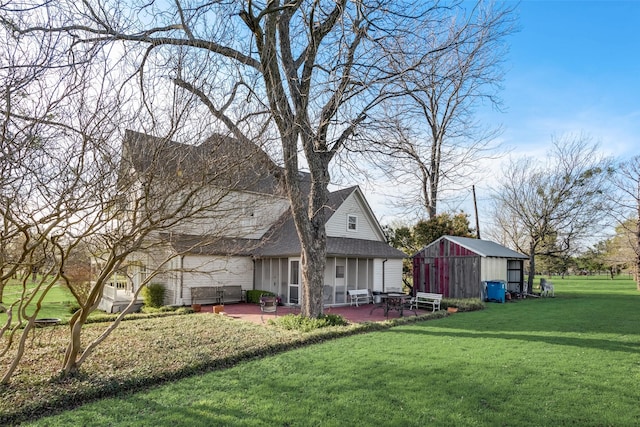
x=55, y=304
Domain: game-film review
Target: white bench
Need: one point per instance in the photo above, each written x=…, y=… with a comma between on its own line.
x=357, y=295
x=428, y=299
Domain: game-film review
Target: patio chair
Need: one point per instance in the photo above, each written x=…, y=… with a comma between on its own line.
x=268, y=304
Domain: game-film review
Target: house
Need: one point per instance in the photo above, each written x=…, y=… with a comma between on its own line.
x=247, y=240
x=456, y=267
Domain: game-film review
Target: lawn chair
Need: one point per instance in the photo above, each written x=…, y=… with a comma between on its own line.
x=546, y=288
x=268, y=304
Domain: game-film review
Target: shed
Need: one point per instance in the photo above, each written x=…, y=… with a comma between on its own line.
x=456, y=267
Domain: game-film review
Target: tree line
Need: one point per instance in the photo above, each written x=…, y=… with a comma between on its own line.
x=575, y=210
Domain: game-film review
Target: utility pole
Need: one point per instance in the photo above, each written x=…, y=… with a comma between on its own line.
x=475, y=207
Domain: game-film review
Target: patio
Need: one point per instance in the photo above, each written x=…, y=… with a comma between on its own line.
x=363, y=313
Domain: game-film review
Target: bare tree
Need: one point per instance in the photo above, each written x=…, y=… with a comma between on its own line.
x=626, y=209
x=564, y=198
x=95, y=208
x=308, y=74
x=53, y=118
x=66, y=191
x=437, y=142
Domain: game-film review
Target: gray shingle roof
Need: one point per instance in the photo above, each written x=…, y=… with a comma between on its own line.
x=282, y=238
x=220, y=160
x=485, y=248
x=227, y=162
x=210, y=245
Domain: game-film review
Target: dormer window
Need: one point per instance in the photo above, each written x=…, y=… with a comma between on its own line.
x=352, y=223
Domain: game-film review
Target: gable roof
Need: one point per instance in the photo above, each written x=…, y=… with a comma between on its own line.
x=220, y=160
x=282, y=238
x=228, y=162
x=485, y=248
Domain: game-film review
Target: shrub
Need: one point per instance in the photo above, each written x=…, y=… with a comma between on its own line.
x=163, y=309
x=153, y=295
x=73, y=307
x=306, y=324
x=467, y=304
x=253, y=296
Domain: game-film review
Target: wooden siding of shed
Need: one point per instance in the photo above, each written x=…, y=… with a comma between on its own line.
x=448, y=269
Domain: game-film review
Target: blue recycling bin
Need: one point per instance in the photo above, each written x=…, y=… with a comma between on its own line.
x=496, y=291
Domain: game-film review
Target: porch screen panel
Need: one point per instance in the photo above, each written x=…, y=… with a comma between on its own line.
x=257, y=274
x=266, y=273
x=274, y=279
x=284, y=274
x=352, y=273
x=363, y=274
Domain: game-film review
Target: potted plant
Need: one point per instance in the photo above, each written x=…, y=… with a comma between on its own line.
x=452, y=309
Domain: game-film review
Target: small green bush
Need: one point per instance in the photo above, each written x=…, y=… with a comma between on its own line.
x=253, y=296
x=163, y=309
x=153, y=295
x=466, y=304
x=73, y=307
x=307, y=324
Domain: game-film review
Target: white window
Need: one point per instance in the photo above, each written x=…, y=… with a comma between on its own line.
x=352, y=223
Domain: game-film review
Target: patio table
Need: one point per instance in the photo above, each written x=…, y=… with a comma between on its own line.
x=393, y=301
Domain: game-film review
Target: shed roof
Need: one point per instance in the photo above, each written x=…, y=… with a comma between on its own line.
x=485, y=248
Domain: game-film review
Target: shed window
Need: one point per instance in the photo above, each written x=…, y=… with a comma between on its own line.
x=339, y=271
x=352, y=223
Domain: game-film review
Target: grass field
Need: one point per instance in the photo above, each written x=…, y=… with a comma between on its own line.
x=55, y=304
x=569, y=360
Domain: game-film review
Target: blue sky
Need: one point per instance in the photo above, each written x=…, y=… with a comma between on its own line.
x=573, y=67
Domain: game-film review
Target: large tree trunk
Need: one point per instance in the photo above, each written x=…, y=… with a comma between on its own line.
x=313, y=238
x=313, y=264
x=69, y=364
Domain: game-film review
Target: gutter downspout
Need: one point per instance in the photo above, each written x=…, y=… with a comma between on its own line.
x=181, y=278
x=383, y=274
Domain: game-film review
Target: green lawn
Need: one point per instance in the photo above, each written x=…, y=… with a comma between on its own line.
x=55, y=304
x=569, y=360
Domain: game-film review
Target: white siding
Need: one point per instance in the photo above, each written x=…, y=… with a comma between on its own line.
x=215, y=271
x=377, y=275
x=367, y=227
x=237, y=214
x=493, y=269
x=393, y=274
